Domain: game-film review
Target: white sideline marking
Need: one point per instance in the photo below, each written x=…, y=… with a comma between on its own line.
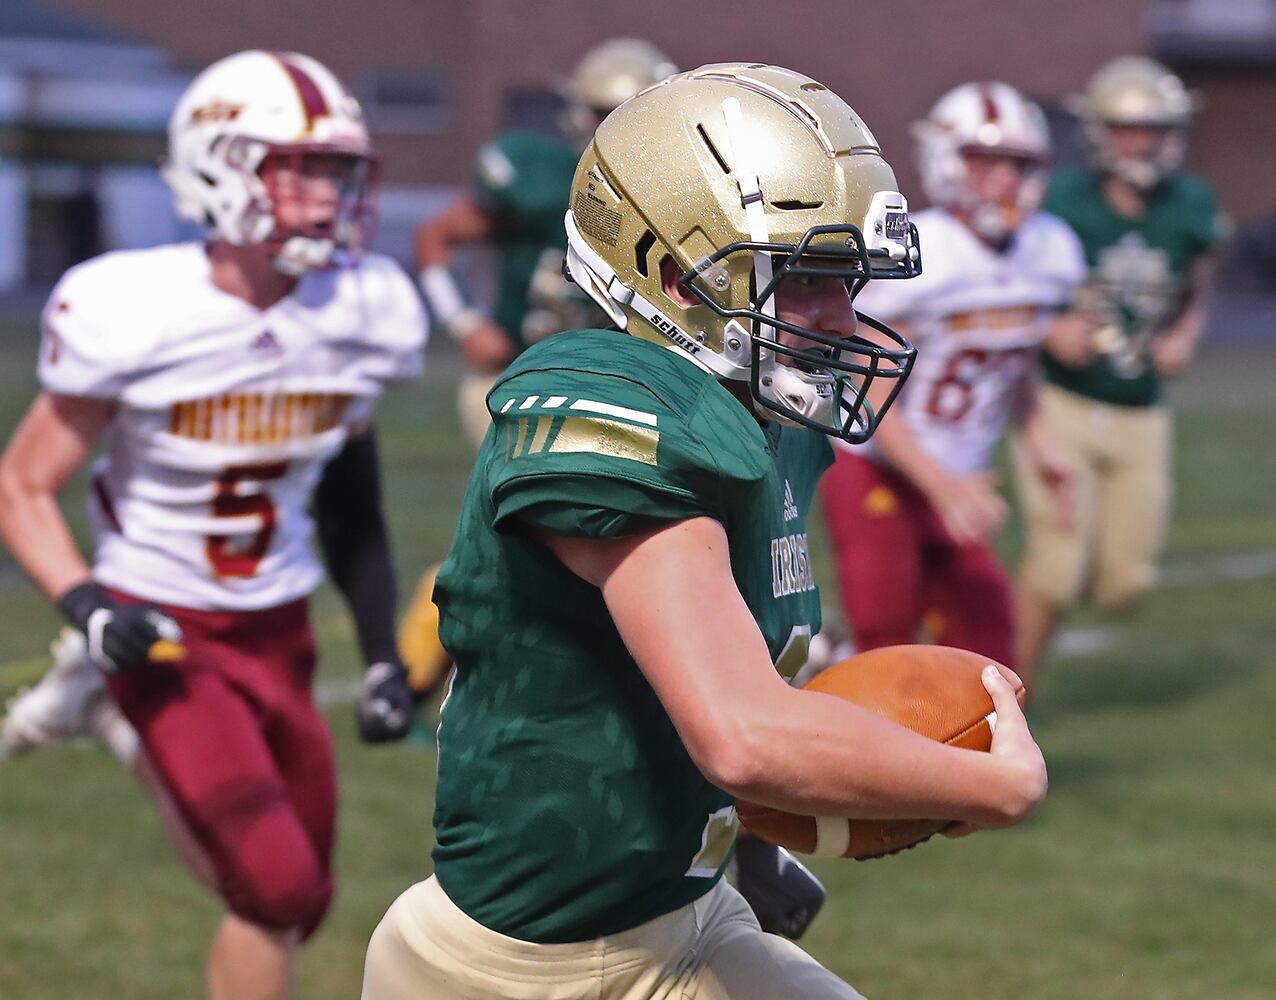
x=1234, y=567
x=1231, y=567
x=330, y=693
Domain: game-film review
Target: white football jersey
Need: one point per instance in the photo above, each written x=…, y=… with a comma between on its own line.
x=977, y=318
x=226, y=413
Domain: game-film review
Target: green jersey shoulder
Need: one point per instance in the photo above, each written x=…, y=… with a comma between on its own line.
x=567, y=806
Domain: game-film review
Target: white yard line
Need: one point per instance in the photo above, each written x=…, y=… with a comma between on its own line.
x=1233, y=567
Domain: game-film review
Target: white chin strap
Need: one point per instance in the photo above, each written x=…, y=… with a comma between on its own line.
x=601, y=283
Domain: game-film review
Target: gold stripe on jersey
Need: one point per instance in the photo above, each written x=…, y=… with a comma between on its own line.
x=257, y=418
x=607, y=437
x=1001, y=318
x=543, y=425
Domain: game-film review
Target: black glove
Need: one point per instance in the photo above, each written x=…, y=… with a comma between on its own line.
x=781, y=891
x=119, y=635
x=384, y=711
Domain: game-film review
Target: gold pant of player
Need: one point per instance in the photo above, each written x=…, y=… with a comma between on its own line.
x=712, y=949
x=1122, y=459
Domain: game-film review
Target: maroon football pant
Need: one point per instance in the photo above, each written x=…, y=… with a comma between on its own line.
x=900, y=570
x=246, y=757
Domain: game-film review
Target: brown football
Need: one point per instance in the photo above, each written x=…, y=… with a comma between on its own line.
x=933, y=690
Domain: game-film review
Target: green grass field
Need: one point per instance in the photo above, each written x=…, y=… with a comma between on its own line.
x=1150, y=873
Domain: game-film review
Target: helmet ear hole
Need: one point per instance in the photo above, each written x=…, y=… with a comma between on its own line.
x=671, y=283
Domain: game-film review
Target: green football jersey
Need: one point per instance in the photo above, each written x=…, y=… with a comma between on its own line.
x=523, y=181
x=567, y=805
x=1140, y=271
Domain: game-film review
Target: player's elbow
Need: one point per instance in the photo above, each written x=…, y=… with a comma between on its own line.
x=732, y=754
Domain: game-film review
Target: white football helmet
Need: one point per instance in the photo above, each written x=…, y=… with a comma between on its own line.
x=1136, y=92
x=989, y=118
x=251, y=106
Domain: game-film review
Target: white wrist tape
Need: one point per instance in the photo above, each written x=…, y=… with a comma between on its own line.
x=446, y=302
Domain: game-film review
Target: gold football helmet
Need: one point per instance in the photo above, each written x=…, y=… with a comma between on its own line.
x=615, y=70
x=1136, y=92
x=745, y=175
x=608, y=75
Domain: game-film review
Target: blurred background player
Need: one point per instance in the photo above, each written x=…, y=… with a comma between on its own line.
x=234, y=383
x=913, y=513
x=516, y=208
x=630, y=585
x=1149, y=231
x=520, y=192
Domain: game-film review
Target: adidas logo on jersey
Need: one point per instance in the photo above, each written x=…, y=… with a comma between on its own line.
x=790, y=508
x=266, y=341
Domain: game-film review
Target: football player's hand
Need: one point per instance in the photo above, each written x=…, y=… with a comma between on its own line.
x=487, y=348
x=1070, y=340
x=1171, y=354
x=1021, y=769
x=970, y=507
x=385, y=707
x=119, y=636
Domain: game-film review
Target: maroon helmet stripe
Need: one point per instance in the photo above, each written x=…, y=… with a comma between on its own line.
x=990, y=106
x=313, y=104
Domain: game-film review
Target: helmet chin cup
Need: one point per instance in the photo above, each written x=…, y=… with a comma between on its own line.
x=299, y=254
x=993, y=222
x=805, y=394
x=1141, y=174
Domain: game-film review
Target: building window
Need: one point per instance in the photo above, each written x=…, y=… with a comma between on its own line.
x=405, y=103
x=1225, y=32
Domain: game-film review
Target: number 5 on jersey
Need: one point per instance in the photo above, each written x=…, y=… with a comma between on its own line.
x=239, y=554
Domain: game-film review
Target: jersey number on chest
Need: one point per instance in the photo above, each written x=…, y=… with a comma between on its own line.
x=239, y=555
x=952, y=395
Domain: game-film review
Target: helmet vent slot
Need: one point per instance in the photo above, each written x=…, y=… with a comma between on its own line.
x=794, y=205
x=713, y=149
x=641, y=249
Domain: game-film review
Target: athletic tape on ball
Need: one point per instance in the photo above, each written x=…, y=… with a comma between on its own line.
x=832, y=836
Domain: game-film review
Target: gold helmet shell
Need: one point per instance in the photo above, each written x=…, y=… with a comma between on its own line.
x=1136, y=92
x=744, y=174
x=615, y=70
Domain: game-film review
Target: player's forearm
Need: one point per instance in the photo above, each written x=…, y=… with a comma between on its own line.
x=462, y=222
x=36, y=534
x=355, y=544
x=896, y=443
x=1030, y=421
x=1189, y=328
x=816, y=755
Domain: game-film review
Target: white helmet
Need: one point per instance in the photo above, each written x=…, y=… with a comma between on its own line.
x=991, y=118
x=256, y=104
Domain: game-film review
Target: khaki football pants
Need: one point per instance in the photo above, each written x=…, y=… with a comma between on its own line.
x=425, y=948
x=1122, y=459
